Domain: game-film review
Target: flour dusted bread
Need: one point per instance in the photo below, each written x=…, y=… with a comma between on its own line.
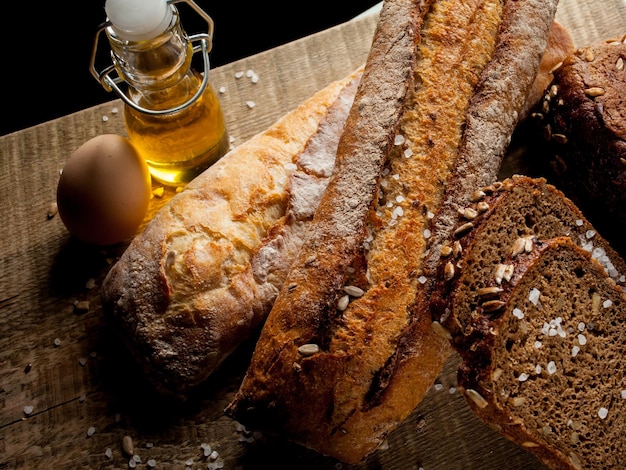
x=204, y=273
x=504, y=215
x=348, y=351
x=546, y=369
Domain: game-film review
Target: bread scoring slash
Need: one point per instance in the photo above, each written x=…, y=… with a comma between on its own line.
x=348, y=349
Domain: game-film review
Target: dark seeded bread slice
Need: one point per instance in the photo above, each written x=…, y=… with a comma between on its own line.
x=547, y=367
x=502, y=217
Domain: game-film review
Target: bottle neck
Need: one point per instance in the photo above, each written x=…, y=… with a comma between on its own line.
x=155, y=64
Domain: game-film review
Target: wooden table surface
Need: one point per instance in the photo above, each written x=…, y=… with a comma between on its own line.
x=68, y=394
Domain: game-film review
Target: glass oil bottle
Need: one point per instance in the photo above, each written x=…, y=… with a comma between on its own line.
x=172, y=114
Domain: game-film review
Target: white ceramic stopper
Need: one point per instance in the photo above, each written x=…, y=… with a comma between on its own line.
x=137, y=20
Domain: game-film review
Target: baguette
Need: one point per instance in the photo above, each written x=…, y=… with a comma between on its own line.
x=347, y=351
x=202, y=276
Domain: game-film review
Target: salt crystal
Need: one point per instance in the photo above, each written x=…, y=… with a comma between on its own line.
x=538, y=344
x=250, y=104
x=517, y=313
x=91, y=431
x=581, y=326
x=603, y=412
x=422, y=279
x=105, y=118
x=551, y=367
x=408, y=153
x=398, y=139
x=623, y=393
x=582, y=340
x=534, y=295
x=607, y=303
x=590, y=233
x=108, y=453
x=538, y=369
x=238, y=75
x=222, y=89
x=579, y=222
x=28, y=409
x=523, y=377
x=427, y=234
x=114, y=110
x=575, y=351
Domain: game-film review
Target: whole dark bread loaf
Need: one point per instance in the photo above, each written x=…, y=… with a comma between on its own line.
x=505, y=216
x=584, y=121
x=348, y=351
x=546, y=368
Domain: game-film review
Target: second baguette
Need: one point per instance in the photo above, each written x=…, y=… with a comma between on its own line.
x=348, y=351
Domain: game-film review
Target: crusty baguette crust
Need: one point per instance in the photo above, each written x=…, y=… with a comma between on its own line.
x=204, y=273
x=339, y=380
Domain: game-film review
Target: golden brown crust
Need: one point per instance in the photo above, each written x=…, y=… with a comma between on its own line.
x=560, y=45
x=204, y=273
x=361, y=369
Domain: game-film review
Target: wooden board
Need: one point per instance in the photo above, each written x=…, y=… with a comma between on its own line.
x=64, y=363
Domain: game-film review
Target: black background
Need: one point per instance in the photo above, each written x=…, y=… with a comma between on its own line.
x=47, y=46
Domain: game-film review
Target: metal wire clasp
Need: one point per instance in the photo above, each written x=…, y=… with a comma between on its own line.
x=109, y=78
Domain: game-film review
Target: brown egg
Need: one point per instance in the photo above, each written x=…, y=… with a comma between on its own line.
x=104, y=190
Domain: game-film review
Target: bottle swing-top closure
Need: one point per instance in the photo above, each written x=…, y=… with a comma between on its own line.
x=171, y=111
x=143, y=20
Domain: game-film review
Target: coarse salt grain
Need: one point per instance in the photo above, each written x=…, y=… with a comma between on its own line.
x=108, y=453
x=603, y=412
x=114, y=110
x=427, y=234
x=408, y=153
x=538, y=344
x=623, y=393
x=422, y=279
x=523, y=377
x=398, y=139
x=533, y=296
x=517, y=313
x=28, y=409
x=579, y=222
x=238, y=75
x=105, y=118
x=250, y=104
x=582, y=340
x=222, y=89
x=91, y=431
x=551, y=367
x=607, y=303
x=538, y=368
x=575, y=351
